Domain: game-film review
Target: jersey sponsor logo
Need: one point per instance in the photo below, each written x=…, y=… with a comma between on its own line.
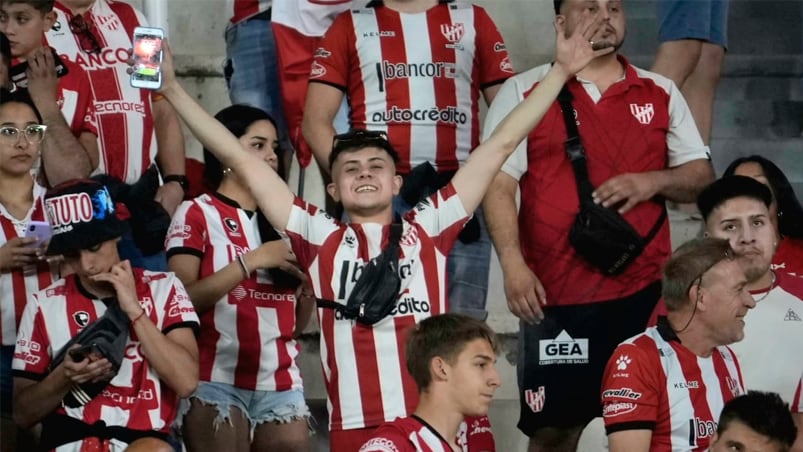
x=177, y=311
x=791, y=316
x=379, y=445
x=81, y=318
x=453, y=33
x=29, y=345
x=106, y=58
x=563, y=350
x=317, y=70
x=701, y=429
x=506, y=65
x=240, y=293
x=27, y=358
x=621, y=393
x=478, y=427
x=320, y=52
x=123, y=399
x=407, y=305
x=691, y=384
x=436, y=69
x=449, y=115
x=643, y=113
x=379, y=34
x=618, y=409
x=119, y=106
x=622, y=362
x=500, y=47
x=179, y=231
x=535, y=399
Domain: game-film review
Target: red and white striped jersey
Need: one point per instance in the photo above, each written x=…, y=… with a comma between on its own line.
x=247, y=338
x=653, y=382
x=364, y=366
x=413, y=434
x=416, y=76
x=18, y=285
x=124, y=117
x=242, y=10
x=797, y=400
x=135, y=398
x=773, y=334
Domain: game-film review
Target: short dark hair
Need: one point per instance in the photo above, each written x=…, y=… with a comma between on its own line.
x=19, y=96
x=722, y=190
x=557, y=4
x=237, y=118
x=444, y=336
x=765, y=413
x=43, y=6
x=5, y=48
x=356, y=139
x=687, y=264
x=790, y=212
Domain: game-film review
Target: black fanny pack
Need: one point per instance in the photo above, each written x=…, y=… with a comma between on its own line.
x=376, y=291
x=107, y=336
x=599, y=234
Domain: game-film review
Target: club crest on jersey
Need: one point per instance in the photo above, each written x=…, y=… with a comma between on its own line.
x=453, y=33
x=734, y=386
x=643, y=113
x=56, y=26
x=535, y=399
x=81, y=318
x=232, y=226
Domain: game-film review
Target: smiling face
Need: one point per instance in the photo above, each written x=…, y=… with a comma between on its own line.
x=745, y=223
x=24, y=25
x=725, y=301
x=611, y=34
x=17, y=153
x=365, y=181
x=473, y=378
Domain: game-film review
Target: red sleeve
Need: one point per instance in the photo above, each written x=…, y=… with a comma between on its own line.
x=31, y=357
x=493, y=59
x=479, y=436
x=630, y=390
x=179, y=310
x=188, y=231
x=332, y=62
x=388, y=438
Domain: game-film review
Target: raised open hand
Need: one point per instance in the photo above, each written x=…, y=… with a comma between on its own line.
x=574, y=52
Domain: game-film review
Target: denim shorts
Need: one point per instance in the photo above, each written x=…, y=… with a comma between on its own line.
x=256, y=406
x=706, y=20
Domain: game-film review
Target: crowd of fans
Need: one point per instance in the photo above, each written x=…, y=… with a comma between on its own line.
x=156, y=315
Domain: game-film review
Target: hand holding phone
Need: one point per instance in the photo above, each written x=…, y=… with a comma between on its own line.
x=41, y=231
x=147, y=68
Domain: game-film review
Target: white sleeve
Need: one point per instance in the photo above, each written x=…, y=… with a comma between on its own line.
x=683, y=140
x=505, y=101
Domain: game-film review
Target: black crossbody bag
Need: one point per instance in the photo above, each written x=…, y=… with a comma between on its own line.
x=599, y=234
x=375, y=293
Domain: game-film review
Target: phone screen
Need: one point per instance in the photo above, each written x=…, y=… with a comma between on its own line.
x=40, y=230
x=147, y=60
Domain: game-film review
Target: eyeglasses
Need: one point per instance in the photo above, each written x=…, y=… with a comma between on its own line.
x=34, y=133
x=83, y=31
x=361, y=138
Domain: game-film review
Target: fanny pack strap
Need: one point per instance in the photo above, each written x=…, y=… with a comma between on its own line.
x=389, y=253
x=577, y=157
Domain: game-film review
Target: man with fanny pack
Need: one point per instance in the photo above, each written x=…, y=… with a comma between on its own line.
x=102, y=354
x=636, y=141
x=362, y=355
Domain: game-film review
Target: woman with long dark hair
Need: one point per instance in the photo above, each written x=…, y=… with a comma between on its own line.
x=786, y=212
x=250, y=395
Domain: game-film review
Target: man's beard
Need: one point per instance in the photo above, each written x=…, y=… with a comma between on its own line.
x=753, y=270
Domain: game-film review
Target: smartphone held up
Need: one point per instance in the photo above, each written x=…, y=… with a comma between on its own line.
x=147, y=68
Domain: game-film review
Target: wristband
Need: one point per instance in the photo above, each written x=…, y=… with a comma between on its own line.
x=180, y=179
x=243, y=266
x=137, y=317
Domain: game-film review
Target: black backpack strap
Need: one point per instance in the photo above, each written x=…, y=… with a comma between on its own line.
x=574, y=146
x=656, y=227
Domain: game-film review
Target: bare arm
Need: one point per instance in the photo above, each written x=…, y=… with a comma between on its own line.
x=524, y=292
x=171, y=155
x=630, y=441
x=64, y=156
x=573, y=54
x=489, y=93
x=322, y=104
x=272, y=194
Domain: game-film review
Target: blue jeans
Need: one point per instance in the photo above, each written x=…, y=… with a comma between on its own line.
x=251, y=69
x=467, y=269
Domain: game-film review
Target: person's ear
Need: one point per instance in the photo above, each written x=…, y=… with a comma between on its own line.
x=439, y=369
x=49, y=19
x=331, y=188
x=397, y=184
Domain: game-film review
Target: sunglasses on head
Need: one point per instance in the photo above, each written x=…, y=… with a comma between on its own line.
x=83, y=31
x=360, y=138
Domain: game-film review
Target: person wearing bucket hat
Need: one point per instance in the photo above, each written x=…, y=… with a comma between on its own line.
x=363, y=363
x=90, y=394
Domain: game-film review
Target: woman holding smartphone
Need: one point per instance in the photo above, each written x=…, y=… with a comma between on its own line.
x=250, y=395
x=23, y=269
